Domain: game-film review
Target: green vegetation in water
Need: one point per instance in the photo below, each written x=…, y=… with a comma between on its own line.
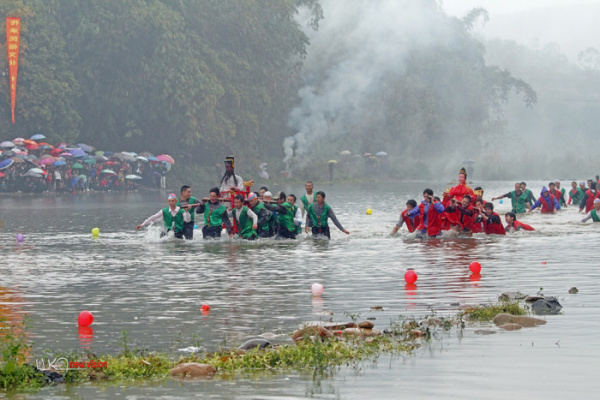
x=488, y=312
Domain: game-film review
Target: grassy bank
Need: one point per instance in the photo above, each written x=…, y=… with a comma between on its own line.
x=318, y=355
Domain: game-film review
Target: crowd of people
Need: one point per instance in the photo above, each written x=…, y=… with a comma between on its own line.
x=251, y=215
x=464, y=210
x=33, y=166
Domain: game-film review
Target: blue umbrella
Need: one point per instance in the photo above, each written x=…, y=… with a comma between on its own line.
x=59, y=163
x=85, y=147
x=6, y=163
x=77, y=152
x=108, y=153
x=152, y=159
x=38, y=136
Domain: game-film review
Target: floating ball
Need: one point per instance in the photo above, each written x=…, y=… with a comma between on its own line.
x=410, y=276
x=85, y=318
x=543, y=262
x=195, y=226
x=205, y=307
x=501, y=201
x=369, y=211
x=317, y=289
x=95, y=231
x=475, y=267
x=20, y=237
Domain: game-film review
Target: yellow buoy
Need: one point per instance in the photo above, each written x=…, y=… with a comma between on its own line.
x=95, y=231
x=369, y=211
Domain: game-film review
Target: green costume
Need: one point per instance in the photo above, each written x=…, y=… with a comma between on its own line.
x=244, y=223
x=518, y=202
x=305, y=200
x=595, y=217
x=192, y=200
x=577, y=196
x=173, y=222
x=319, y=221
x=215, y=217
x=266, y=226
x=287, y=220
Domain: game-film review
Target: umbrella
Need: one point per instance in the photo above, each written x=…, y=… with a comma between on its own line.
x=32, y=146
x=45, y=147
x=59, y=163
x=37, y=171
x=143, y=159
x=85, y=147
x=167, y=165
x=77, y=152
x=9, y=153
x=77, y=166
x=7, y=145
x=124, y=156
x=381, y=154
x=29, y=141
x=18, y=141
x=367, y=155
x=100, y=158
x=133, y=177
x=6, y=163
x=38, y=136
x=166, y=158
x=66, y=155
x=90, y=161
x=47, y=161
x=62, y=145
x=132, y=153
x=108, y=153
x=33, y=174
x=2, y=174
x=108, y=171
x=146, y=154
x=109, y=163
x=156, y=160
x=17, y=160
x=33, y=161
x=345, y=152
x=331, y=162
x=56, y=151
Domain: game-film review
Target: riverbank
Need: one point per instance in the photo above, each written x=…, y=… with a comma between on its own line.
x=317, y=347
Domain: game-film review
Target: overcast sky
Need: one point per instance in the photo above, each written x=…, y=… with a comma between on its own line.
x=573, y=24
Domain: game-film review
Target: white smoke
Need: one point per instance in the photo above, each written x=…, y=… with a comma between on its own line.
x=357, y=45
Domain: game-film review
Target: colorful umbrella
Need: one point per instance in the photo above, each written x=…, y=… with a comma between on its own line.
x=77, y=166
x=345, y=152
x=143, y=159
x=47, y=161
x=33, y=174
x=62, y=145
x=108, y=171
x=331, y=162
x=37, y=171
x=166, y=158
x=77, y=152
x=7, y=145
x=32, y=146
x=100, y=158
x=153, y=159
x=6, y=163
x=59, y=163
x=38, y=136
x=133, y=177
x=108, y=153
x=66, y=155
x=85, y=147
x=56, y=151
x=17, y=160
x=2, y=174
x=146, y=154
x=18, y=141
x=381, y=154
x=124, y=156
x=45, y=147
x=28, y=141
x=90, y=161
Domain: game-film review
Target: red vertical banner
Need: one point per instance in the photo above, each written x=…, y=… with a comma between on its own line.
x=13, y=37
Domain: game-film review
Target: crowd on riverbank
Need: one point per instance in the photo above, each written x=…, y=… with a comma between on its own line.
x=34, y=166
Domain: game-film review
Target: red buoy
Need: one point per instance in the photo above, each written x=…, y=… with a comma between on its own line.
x=85, y=318
x=410, y=276
x=205, y=307
x=475, y=267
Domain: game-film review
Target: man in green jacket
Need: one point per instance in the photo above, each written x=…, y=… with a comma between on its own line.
x=173, y=217
x=186, y=200
x=215, y=215
x=317, y=215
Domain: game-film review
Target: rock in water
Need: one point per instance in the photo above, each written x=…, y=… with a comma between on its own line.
x=261, y=344
x=511, y=296
x=313, y=330
x=510, y=327
x=573, y=290
x=547, y=306
x=366, y=325
x=193, y=370
x=522, y=320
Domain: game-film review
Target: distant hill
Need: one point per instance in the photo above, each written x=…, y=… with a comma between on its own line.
x=573, y=27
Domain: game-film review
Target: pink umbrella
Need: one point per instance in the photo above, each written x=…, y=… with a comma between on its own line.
x=18, y=141
x=166, y=158
x=66, y=155
x=47, y=161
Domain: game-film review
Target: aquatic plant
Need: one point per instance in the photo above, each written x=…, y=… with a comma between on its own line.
x=485, y=313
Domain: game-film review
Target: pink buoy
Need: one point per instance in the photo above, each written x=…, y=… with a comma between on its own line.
x=410, y=276
x=85, y=318
x=317, y=289
x=20, y=237
x=475, y=267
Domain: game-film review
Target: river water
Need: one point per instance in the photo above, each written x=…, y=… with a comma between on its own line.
x=153, y=289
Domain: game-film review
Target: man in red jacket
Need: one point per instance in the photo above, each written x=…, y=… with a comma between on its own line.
x=491, y=220
x=512, y=223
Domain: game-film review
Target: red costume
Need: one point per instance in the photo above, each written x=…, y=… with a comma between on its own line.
x=434, y=220
x=589, y=203
x=460, y=190
x=516, y=224
x=548, y=208
x=494, y=228
x=411, y=225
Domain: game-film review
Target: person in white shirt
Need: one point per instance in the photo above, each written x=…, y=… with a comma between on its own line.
x=230, y=180
x=173, y=217
x=298, y=214
x=245, y=219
